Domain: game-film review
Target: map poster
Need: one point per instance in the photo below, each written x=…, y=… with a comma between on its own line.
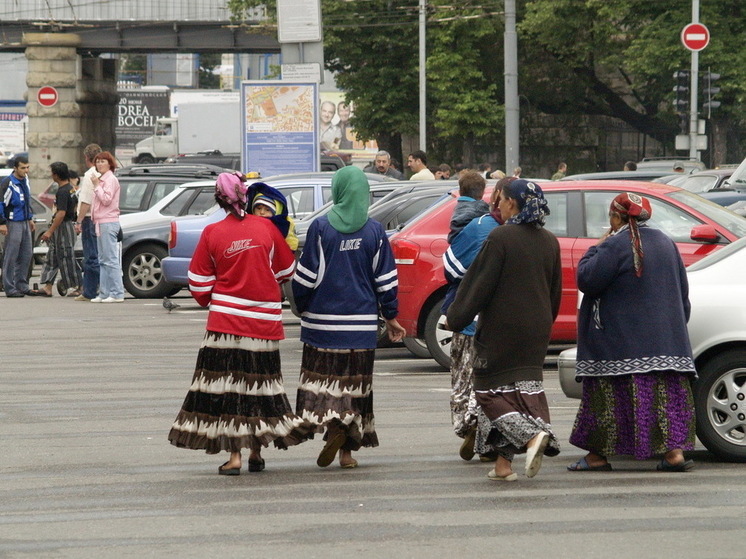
x=278, y=127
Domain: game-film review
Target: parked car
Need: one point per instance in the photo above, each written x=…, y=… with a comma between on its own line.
x=579, y=215
x=667, y=163
x=717, y=332
x=145, y=237
x=639, y=175
x=233, y=160
x=305, y=192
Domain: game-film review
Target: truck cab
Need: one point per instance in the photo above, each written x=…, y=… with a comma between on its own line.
x=162, y=144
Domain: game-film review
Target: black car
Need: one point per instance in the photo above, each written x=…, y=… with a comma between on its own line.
x=144, y=185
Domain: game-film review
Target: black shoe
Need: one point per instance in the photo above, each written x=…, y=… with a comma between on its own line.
x=15, y=295
x=256, y=465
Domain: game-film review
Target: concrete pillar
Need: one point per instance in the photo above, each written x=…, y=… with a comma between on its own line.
x=84, y=113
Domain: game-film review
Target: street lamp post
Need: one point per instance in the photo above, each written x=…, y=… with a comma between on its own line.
x=423, y=75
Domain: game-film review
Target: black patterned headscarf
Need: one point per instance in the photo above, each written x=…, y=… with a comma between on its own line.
x=532, y=205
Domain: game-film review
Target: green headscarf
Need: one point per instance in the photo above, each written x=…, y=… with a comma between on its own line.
x=351, y=197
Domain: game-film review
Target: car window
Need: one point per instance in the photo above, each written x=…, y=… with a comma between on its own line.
x=717, y=213
x=409, y=211
x=160, y=189
x=202, y=202
x=131, y=195
x=698, y=183
x=52, y=188
x=326, y=192
x=673, y=221
x=556, y=221
x=37, y=207
x=175, y=206
x=300, y=200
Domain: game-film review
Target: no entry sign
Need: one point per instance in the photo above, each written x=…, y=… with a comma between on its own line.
x=47, y=96
x=695, y=37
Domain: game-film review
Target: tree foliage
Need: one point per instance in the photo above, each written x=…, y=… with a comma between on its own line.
x=576, y=57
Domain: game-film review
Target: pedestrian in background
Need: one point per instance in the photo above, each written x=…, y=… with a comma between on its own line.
x=514, y=285
x=634, y=356
x=61, y=236
x=237, y=399
x=105, y=215
x=630, y=166
x=417, y=163
x=17, y=226
x=91, y=269
x=561, y=171
x=346, y=277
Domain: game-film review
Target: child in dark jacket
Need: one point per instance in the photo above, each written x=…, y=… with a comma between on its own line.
x=469, y=204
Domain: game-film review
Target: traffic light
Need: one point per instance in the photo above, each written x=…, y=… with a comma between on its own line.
x=709, y=91
x=681, y=103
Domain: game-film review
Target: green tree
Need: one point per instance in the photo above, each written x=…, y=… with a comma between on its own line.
x=617, y=58
x=207, y=77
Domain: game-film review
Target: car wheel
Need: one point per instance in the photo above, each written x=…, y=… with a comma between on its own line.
x=417, y=347
x=720, y=403
x=383, y=339
x=438, y=340
x=143, y=275
x=146, y=159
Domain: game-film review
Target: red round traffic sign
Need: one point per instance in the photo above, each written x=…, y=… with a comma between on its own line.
x=47, y=96
x=695, y=36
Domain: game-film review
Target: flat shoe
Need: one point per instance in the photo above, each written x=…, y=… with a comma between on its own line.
x=256, y=465
x=332, y=446
x=535, y=454
x=229, y=471
x=466, y=452
x=582, y=465
x=349, y=465
x=38, y=293
x=512, y=476
x=666, y=466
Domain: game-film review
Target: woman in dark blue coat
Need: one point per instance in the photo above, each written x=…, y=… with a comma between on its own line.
x=634, y=356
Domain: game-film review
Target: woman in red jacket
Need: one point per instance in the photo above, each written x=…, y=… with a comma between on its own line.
x=237, y=399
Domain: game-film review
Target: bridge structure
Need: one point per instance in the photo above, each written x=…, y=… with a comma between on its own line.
x=67, y=43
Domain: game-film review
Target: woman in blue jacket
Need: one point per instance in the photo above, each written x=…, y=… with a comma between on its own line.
x=346, y=277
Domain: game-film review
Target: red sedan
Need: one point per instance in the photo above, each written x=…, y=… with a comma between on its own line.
x=579, y=215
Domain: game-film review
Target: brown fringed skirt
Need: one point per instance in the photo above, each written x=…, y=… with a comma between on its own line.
x=336, y=392
x=237, y=399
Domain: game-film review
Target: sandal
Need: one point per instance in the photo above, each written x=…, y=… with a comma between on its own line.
x=256, y=465
x=332, y=446
x=223, y=471
x=666, y=466
x=582, y=465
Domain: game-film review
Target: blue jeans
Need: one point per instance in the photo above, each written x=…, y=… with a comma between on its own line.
x=19, y=249
x=109, y=261
x=91, y=273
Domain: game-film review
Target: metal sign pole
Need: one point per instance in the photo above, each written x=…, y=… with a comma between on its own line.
x=694, y=76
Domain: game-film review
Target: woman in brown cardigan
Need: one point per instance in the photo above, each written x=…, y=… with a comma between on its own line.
x=514, y=284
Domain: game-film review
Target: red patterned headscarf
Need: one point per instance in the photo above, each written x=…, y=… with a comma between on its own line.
x=637, y=210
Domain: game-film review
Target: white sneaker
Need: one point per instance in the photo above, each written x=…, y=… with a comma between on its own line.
x=113, y=300
x=96, y=300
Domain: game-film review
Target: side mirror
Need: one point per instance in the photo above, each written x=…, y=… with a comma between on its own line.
x=704, y=234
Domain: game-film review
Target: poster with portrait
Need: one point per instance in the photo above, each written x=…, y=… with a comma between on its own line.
x=336, y=134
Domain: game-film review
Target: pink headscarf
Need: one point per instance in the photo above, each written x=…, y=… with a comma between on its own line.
x=231, y=189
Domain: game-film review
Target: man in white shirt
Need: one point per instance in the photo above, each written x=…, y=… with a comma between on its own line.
x=91, y=270
x=417, y=162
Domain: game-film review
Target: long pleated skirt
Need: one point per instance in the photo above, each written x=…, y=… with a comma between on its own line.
x=237, y=399
x=336, y=393
x=640, y=415
x=512, y=415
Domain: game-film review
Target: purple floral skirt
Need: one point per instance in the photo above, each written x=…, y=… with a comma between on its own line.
x=641, y=415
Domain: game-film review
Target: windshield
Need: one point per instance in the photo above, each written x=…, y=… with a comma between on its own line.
x=732, y=222
x=738, y=178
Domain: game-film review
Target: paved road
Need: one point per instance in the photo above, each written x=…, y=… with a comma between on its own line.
x=88, y=393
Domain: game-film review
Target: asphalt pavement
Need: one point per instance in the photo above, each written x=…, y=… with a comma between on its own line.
x=88, y=394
